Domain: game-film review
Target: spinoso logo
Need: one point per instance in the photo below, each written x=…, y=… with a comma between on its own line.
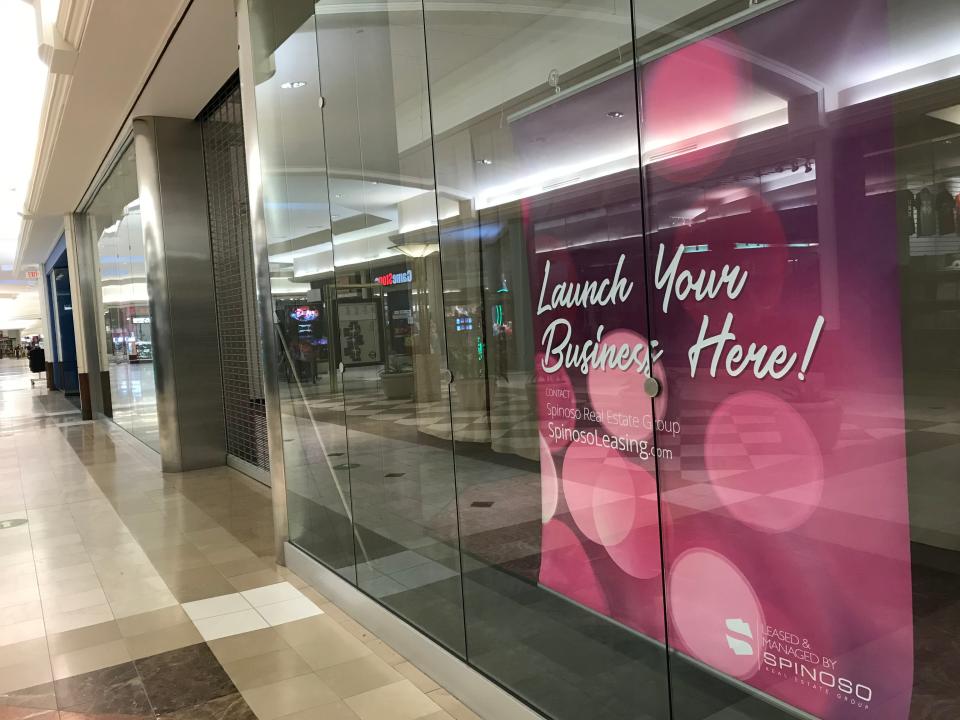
x=741, y=641
x=805, y=666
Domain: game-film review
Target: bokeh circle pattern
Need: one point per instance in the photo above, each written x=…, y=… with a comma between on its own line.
x=549, y=483
x=763, y=461
x=614, y=503
x=566, y=568
x=716, y=612
x=620, y=393
x=716, y=91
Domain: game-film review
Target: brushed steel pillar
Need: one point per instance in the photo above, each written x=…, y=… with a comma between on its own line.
x=261, y=263
x=176, y=233
x=87, y=315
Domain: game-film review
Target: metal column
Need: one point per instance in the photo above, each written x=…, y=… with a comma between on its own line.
x=261, y=261
x=173, y=209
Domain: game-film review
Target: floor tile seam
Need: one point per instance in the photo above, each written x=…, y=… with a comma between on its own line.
x=43, y=617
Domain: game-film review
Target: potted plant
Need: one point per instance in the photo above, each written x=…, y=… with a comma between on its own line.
x=396, y=378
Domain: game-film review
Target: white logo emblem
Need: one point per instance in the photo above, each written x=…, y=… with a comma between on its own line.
x=738, y=644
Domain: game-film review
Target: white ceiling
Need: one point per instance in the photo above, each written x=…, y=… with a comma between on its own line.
x=90, y=110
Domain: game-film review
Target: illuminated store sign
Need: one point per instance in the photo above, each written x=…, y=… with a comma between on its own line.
x=305, y=314
x=394, y=278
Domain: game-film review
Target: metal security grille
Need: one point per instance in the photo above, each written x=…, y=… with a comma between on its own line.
x=233, y=271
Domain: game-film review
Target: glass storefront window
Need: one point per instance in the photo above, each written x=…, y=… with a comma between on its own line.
x=639, y=386
x=114, y=217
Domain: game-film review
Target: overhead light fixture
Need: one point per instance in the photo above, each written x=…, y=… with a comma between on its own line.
x=415, y=248
x=615, y=114
x=485, y=161
x=292, y=85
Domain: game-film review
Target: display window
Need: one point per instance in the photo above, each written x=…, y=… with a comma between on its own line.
x=662, y=421
x=127, y=351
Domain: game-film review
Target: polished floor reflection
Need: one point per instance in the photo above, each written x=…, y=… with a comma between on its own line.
x=134, y=397
x=129, y=593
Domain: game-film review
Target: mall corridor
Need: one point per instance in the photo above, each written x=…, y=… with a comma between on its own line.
x=129, y=593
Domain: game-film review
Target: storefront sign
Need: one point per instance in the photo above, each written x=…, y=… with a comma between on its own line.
x=394, y=278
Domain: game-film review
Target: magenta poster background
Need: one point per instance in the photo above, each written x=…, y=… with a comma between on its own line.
x=781, y=486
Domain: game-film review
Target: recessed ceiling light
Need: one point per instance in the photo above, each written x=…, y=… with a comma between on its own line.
x=615, y=114
x=293, y=85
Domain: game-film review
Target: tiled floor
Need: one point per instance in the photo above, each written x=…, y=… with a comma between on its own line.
x=129, y=593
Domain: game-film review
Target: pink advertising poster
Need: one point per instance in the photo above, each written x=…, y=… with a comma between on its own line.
x=763, y=488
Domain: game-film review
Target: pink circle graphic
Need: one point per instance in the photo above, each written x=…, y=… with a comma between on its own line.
x=619, y=395
x=549, y=483
x=699, y=91
x=716, y=612
x=613, y=502
x=566, y=568
x=764, y=461
x=638, y=553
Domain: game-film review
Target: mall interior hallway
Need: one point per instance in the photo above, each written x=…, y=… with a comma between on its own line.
x=129, y=593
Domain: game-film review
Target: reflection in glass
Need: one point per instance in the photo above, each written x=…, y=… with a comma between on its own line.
x=500, y=228
x=114, y=217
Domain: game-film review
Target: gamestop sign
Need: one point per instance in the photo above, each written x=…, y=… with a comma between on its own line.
x=394, y=278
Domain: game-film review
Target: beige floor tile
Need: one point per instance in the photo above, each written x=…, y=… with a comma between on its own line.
x=248, y=581
x=289, y=696
x=63, y=560
x=139, y=603
x=57, y=541
x=25, y=674
x=197, y=584
x=56, y=589
x=415, y=675
x=74, y=601
x=228, y=554
x=99, y=634
x=164, y=640
x=242, y=567
x=18, y=632
x=452, y=705
x=152, y=621
x=332, y=711
x=61, y=622
x=89, y=659
x=265, y=669
x=65, y=574
x=327, y=646
x=25, y=593
x=245, y=645
x=398, y=701
x=384, y=651
x=17, y=653
x=358, y=676
x=13, y=614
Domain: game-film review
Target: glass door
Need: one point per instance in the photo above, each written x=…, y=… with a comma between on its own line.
x=534, y=127
x=801, y=221
x=390, y=339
